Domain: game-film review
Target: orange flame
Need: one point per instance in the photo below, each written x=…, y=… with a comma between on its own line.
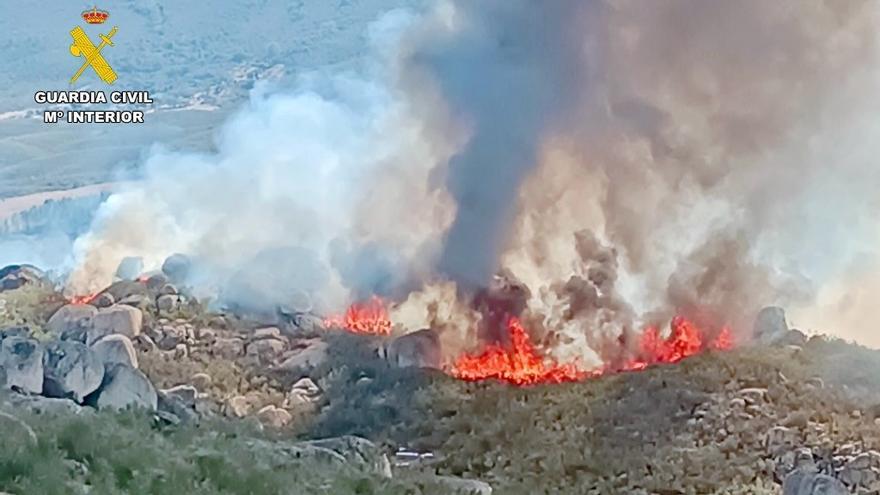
x=521, y=365
x=369, y=317
x=86, y=299
x=685, y=340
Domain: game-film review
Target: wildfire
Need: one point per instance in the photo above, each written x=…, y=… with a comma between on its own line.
x=685, y=339
x=368, y=317
x=86, y=299
x=520, y=363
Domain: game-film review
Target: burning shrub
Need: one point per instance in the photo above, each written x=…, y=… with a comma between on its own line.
x=519, y=364
x=369, y=317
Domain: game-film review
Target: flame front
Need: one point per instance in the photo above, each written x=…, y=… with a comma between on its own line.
x=520, y=364
x=369, y=317
x=685, y=340
x=86, y=299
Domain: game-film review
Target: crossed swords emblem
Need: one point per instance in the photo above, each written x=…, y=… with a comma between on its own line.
x=83, y=47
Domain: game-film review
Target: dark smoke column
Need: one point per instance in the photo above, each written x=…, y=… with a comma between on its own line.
x=508, y=74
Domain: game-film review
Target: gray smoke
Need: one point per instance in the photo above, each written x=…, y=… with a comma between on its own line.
x=713, y=157
x=702, y=134
x=507, y=73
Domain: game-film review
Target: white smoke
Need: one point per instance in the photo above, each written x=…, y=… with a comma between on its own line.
x=307, y=168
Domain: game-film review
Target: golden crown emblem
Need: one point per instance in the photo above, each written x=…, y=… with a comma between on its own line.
x=95, y=16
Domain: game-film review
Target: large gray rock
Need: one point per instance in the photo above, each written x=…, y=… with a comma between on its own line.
x=22, y=361
x=770, y=325
x=71, y=370
x=46, y=405
x=118, y=319
x=305, y=356
x=302, y=323
x=168, y=303
x=126, y=288
x=103, y=300
x=802, y=482
x=419, y=349
x=14, y=276
x=71, y=319
x=176, y=267
x=185, y=393
x=125, y=387
x=129, y=268
x=139, y=301
x=115, y=349
x=156, y=281
x=179, y=401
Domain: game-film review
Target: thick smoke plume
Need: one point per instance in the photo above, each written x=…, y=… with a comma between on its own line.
x=321, y=189
x=700, y=142
x=622, y=160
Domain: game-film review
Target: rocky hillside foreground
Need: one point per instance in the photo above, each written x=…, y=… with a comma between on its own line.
x=142, y=390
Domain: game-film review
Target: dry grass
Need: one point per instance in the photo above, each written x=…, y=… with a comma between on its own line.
x=632, y=433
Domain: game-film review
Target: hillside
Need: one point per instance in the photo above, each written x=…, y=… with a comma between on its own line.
x=726, y=422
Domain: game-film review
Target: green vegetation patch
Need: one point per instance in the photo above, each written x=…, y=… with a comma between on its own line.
x=127, y=453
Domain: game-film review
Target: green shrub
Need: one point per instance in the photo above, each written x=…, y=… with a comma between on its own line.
x=124, y=454
x=30, y=305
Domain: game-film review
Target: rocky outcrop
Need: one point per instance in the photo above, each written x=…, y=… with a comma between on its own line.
x=129, y=268
x=71, y=320
x=123, y=289
x=419, y=349
x=118, y=319
x=104, y=300
x=305, y=355
x=71, y=370
x=21, y=359
x=14, y=276
x=115, y=349
x=168, y=303
x=274, y=416
x=303, y=393
x=46, y=405
x=176, y=267
x=125, y=387
x=803, y=482
x=180, y=401
x=770, y=325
